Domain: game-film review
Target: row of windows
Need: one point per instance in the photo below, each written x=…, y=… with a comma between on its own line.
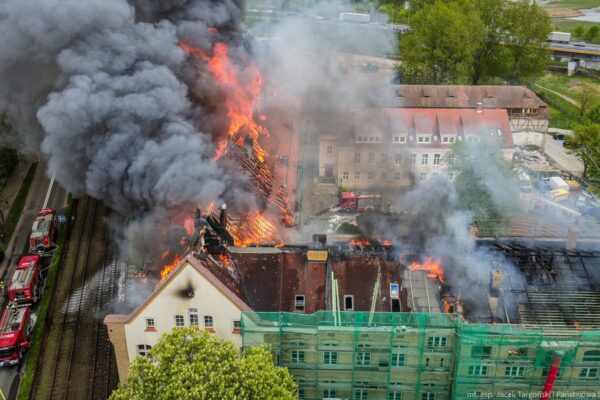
x=519, y=371
x=384, y=176
x=299, y=304
x=486, y=352
x=364, y=358
x=437, y=158
x=363, y=394
x=193, y=319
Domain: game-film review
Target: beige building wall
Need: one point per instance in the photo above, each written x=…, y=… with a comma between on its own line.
x=163, y=306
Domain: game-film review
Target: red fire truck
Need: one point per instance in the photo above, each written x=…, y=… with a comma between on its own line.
x=25, y=284
x=43, y=231
x=350, y=201
x=15, y=327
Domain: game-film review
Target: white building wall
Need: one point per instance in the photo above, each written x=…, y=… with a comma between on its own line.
x=208, y=300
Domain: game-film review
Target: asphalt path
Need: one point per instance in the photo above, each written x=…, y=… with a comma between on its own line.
x=39, y=193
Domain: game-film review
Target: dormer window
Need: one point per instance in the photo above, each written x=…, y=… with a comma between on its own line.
x=299, y=302
x=348, y=302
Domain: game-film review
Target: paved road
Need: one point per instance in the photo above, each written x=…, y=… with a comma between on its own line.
x=37, y=194
x=565, y=161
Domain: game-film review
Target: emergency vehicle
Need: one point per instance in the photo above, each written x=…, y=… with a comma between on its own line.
x=15, y=329
x=25, y=285
x=43, y=231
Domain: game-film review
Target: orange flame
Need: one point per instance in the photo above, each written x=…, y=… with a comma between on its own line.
x=166, y=270
x=359, y=242
x=434, y=268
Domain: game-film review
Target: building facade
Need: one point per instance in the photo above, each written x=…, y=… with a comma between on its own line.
x=389, y=148
x=418, y=356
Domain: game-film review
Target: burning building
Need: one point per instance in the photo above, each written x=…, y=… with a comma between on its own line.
x=367, y=320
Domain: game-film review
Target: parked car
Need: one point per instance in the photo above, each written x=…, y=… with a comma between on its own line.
x=579, y=44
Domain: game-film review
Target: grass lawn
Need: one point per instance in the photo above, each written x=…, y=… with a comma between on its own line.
x=569, y=85
x=573, y=3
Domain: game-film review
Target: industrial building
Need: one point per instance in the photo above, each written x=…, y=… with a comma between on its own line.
x=394, y=147
x=357, y=321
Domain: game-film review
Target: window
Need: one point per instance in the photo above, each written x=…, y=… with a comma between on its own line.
x=329, y=394
x=361, y=394
x=475, y=140
x=299, y=302
x=591, y=355
x=424, y=159
x=427, y=396
x=427, y=362
x=413, y=159
x=237, y=325
x=330, y=357
x=445, y=139
x=179, y=321
x=426, y=139
x=433, y=175
x=420, y=140
x=423, y=176
x=451, y=159
x=357, y=175
x=208, y=322
x=377, y=139
x=345, y=175
x=384, y=158
x=371, y=139
x=437, y=341
x=301, y=394
x=356, y=158
x=348, y=302
x=451, y=140
x=330, y=150
x=371, y=176
x=442, y=362
x=436, y=159
x=546, y=370
x=398, y=360
x=143, y=349
x=518, y=372
x=397, y=176
x=518, y=352
x=477, y=370
x=588, y=373
x=396, y=139
x=402, y=139
x=371, y=158
x=395, y=395
x=363, y=358
x=481, y=351
x=150, y=324
x=193, y=314
x=398, y=159
x=297, y=357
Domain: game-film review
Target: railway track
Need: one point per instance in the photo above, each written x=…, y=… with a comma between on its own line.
x=77, y=361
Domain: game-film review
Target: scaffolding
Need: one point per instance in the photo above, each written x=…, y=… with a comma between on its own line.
x=421, y=356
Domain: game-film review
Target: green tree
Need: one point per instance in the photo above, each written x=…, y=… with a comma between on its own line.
x=485, y=183
x=593, y=114
x=192, y=364
x=585, y=144
x=505, y=40
x=578, y=31
x=592, y=33
x=441, y=46
x=587, y=95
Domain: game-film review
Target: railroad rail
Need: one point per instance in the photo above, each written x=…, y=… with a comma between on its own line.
x=76, y=360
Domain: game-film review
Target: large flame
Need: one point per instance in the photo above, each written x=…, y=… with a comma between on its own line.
x=166, y=270
x=433, y=267
x=242, y=89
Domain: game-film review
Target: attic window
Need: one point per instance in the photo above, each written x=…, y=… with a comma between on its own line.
x=299, y=303
x=349, y=302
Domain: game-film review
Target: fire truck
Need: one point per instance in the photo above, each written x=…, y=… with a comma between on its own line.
x=43, y=231
x=15, y=329
x=25, y=284
x=350, y=201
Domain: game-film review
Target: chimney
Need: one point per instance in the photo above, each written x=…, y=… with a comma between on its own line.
x=223, y=216
x=479, y=107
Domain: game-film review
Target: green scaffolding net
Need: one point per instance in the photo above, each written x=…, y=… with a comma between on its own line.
x=357, y=355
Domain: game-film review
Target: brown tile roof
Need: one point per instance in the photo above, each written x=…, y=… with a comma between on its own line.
x=465, y=96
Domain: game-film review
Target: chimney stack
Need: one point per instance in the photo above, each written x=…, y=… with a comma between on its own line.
x=223, y=216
